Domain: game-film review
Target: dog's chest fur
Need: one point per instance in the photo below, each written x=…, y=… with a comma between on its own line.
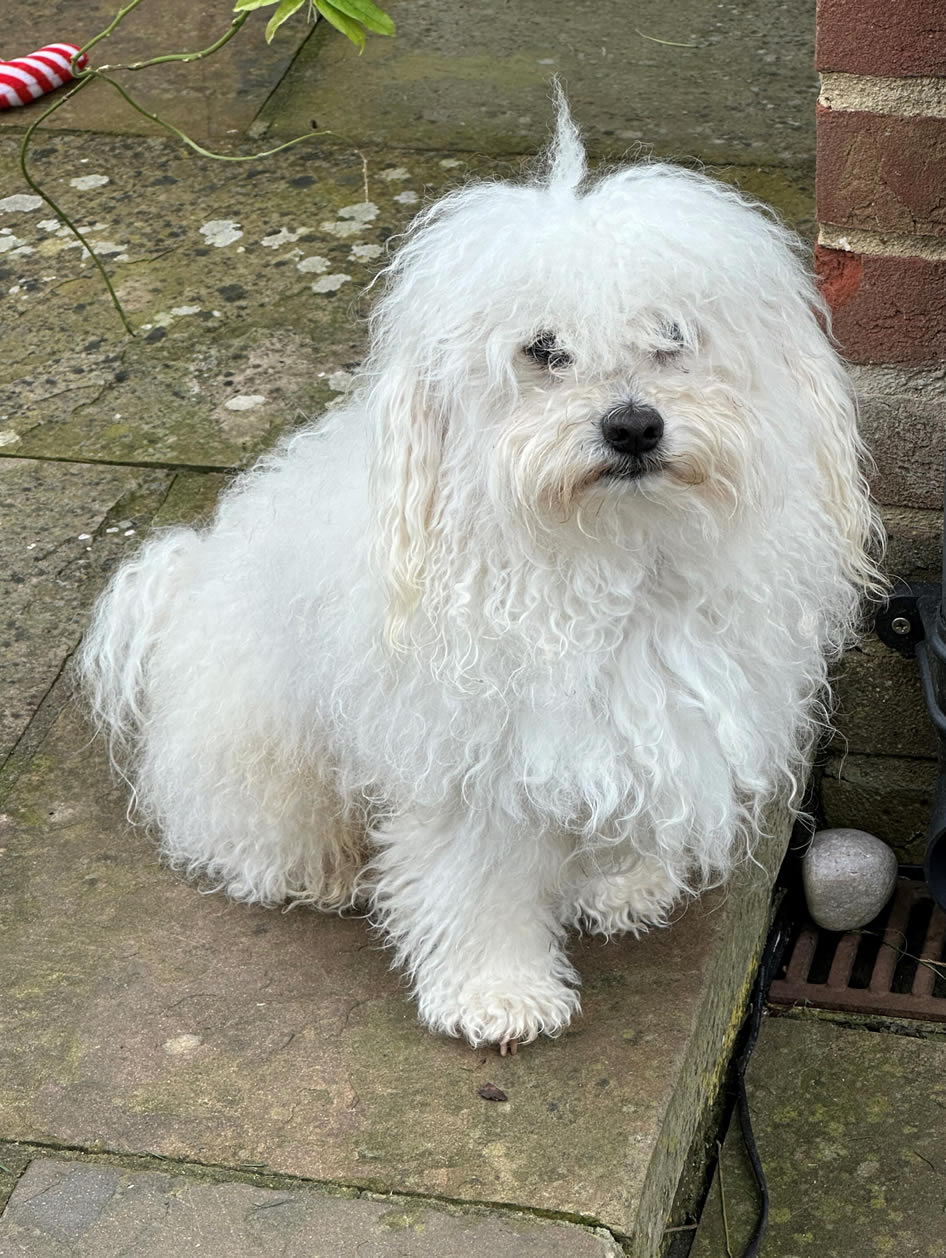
x=571, y=708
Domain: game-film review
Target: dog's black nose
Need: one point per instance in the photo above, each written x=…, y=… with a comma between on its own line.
x=633, y=429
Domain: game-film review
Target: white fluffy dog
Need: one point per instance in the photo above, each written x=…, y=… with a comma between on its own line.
x=529, y=632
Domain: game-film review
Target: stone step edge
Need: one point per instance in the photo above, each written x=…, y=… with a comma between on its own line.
x=22, y=1152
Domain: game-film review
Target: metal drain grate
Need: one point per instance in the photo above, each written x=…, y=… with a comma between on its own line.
x=895, y=965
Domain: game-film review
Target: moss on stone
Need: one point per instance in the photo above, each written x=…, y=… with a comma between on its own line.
x=849, y=1126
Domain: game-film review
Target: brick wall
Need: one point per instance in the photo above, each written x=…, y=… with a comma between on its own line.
x=881, y=255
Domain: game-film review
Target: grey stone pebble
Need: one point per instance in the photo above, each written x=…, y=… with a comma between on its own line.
x=848, y=876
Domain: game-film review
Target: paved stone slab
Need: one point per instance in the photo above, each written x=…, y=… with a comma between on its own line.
x=851, y=1127
x=732, y=82
x=62, y=526
x=190, y=500
x=66, y=1209
x=204, y=98
x=245, y=283
x=141, y=1016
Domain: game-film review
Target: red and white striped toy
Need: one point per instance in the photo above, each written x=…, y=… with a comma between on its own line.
x=41, y=72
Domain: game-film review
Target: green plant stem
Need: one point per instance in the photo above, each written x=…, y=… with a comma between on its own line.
x=83, y=82
x=179, y=56
x=668, y=43
x=186, y=139
x=97, y=39
x=86, y=76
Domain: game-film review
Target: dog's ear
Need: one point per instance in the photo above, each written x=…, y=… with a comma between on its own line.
x=409, y=434
x=840, y=457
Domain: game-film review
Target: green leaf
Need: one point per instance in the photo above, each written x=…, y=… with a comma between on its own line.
x=341, y=22
x=368, y=14
x=246, y=6
x=282, y=14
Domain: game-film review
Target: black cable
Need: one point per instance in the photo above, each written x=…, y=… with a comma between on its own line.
x=767, y=966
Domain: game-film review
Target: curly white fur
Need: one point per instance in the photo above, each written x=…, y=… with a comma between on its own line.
x=549, y=688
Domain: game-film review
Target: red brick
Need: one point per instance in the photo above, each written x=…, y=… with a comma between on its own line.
x=882, y=173
x=891, y=38
x=885, y=309
x=840, y=274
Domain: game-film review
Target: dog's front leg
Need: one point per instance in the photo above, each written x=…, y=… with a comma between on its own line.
x=472, y=914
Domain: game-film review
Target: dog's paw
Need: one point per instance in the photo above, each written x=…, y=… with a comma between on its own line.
x=484, y=1014
x=633, y=902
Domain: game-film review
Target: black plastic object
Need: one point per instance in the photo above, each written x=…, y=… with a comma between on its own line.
x=931, y=657
x=935, y=863
x=934, y=867
x=914, y=623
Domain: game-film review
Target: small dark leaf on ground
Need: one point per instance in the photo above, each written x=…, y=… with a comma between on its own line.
x=489, y=1092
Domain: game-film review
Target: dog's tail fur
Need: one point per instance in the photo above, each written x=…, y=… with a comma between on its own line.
x=112, y=662
x=255, y=818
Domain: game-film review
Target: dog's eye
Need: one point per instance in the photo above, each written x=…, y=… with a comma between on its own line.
x=545, y=351
x=673, y=342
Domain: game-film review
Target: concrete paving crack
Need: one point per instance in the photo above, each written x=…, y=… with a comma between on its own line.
x=54, y=699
